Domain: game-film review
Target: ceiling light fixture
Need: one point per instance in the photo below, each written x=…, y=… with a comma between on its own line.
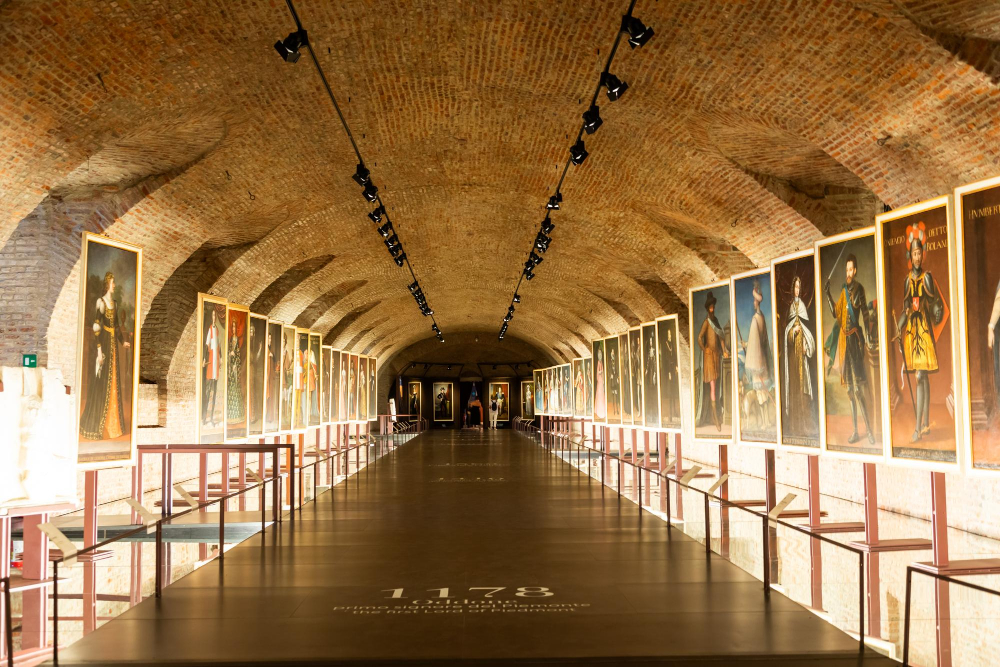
x=376, y=215
x=578, y=152
x=616, y=87
x=638, y=33
x=288, y=48
x=592, y=119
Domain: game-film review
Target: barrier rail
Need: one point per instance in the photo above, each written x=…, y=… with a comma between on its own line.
x=8, y=620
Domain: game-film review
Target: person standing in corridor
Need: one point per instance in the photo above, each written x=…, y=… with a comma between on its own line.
x=494, y=411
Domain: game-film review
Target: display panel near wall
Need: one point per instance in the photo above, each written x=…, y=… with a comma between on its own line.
x=257, y=370
x=916, y=332
x=711, y=363
x=650, y=373
x=237, y=370
x=335, y=391
x=108, y=352
x=625, y=378
x=326, y=371
x=588, y=387
x=579, y=389
x=288, y=375
x=313, y=385
x=352, y=389
x=443, y=404
x=345, y=386
x=756, y=409
x=414, y=401
x=669, y=376
x=362, y=388
x=272, y=385
x=212, y=364
x=372, y=390
x=977, y=211
x=612, y=360
x=793, y=284
x=500, y=392
x=635, y=373
x=301, y=386
x=537, y=393
x=850, y=377
x=527, y=399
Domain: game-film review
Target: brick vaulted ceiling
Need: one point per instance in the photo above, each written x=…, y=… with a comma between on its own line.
x=750, y=129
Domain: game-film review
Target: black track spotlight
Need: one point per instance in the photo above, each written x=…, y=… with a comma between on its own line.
x=547, y=226
x=362, y=175
x=288, y=48
x=638, y=33
x=616, y=87
x=385, y=229
x=578, y=152
x=391, y=241
x=592, y=119
x=427, y=311
x=376, y=215
x=400, y=260
x=370, y=192
x=414, y=286
x=554, y=201
x=542, y=242
x=535, y=258
x=517, y=298
x=440, y=338
x=506, y=318
x=528, y=275
x=435, y=328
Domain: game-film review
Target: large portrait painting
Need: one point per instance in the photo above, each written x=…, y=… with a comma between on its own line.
x=363, y=388
x=579, y=389
x=548, y=392
x=793, y=284
x=977, y=208
x=326, y=366
x=272, y=384
x=567, y=389
x=635, y=373
x=916, y=332
x=345, y=384
x=313, y=374
x=289, y=353
x=850, y=379
x=212, y=365
x=650, y=372
x=237, y=367
x=612, y=373
x=414, y=400
x=538, y=393
x=352, y=389
x=669, y=380
x=588, y=387
x=711, y=362
x=756, y=408
x=108, y=352
x=500, y=392
x=372, y=390
x=443, y=404
x=335, y=386
x=527, y=399
x=625, y=378
x=300, y=395
x=257, y=352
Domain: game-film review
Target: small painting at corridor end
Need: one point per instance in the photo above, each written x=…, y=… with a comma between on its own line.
x=756, y=410
x=916, y=326
x=527, y=399
x=500, y=392
x=443, y=403
x=413, y=400
x=669, y=380
x=793, y=284
x=711, y=362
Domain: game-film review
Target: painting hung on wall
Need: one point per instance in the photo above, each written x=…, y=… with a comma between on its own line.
x=916, y=332
x=108, y=352
x=793, y=284
x=756, y=408
x=850, y=379
x=344, y=388
x=668, y=359
x=257, y=351
x=977, y=209
x=711, y=362
x=527, y=399
x=635, y=372
x=326, y=366
x=414, y=399
x=372, y=390
x=538, y=393
x=301, y=393
x=588, y=387
x=335, y=386
x=443, y=404
x=551, y=400
x=363, y=388
x=272, y=385
x=567, y=389
x=579, y=389
x=313, y=371
x=237, y=366
x=613, y=374
x=352, y=389
x=288, y=356
x=500, y=392
x=625, y=377
x=212, y=365
x=650, y=371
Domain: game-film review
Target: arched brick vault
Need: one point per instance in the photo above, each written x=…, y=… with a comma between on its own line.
x=758, y=113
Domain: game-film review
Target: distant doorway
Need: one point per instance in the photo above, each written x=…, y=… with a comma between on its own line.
x=471, y=405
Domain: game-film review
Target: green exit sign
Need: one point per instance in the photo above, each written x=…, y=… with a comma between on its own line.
x=29, y=360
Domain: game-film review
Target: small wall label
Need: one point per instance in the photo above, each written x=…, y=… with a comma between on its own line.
x=29, y=360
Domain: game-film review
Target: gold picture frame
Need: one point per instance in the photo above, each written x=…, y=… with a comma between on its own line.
x=206, y=366
x=713, y=428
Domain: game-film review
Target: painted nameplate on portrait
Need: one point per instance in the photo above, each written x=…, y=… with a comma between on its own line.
x=500, y=392
x=793, y=286
x=414, y=401
x=588, y=387
x=635, y=354
x=669, y=376
x=313, y=385
x=257, y=351
x=326, y=366
x=916, y=327
x=108, y=352
x=579, y=387
x=288, y=355
x=625, y=378
x=756, y=408
x=443, y=404
x=528, y=399
x=850, y=377
x=650, y=373
x=612, y=361
x=212, y=365
x=711, y=362
x=362, y=388
x=272, y=384
x=538, y=393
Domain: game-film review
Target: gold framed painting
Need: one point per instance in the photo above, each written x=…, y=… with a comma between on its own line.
x=579, y=389
x=362, y=388
x=612, y=373
x=850, y=376
x=256, y=373
x=500, y=392
x=300, y=392
x=567, y=389
x=313, y=374
x=625, y=378
x=917, y=331
x=711, y=363
x=755, y=408
x=635, y=374
x=414, y=400
x=237, y=370
x=588, y=387
x=289, y=355
x=272, y=383
x=650, y=376
x=528, y=399
x=211, y=374
x=335, y=385
x=326, y=373
x=443, y=403
x=669, y=380
x=107, y=355
x=372, y=389
x=352, y=389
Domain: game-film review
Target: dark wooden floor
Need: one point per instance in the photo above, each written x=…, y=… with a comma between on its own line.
x=485, y=516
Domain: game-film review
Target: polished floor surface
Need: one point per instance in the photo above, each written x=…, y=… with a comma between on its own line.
x=468, y=547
